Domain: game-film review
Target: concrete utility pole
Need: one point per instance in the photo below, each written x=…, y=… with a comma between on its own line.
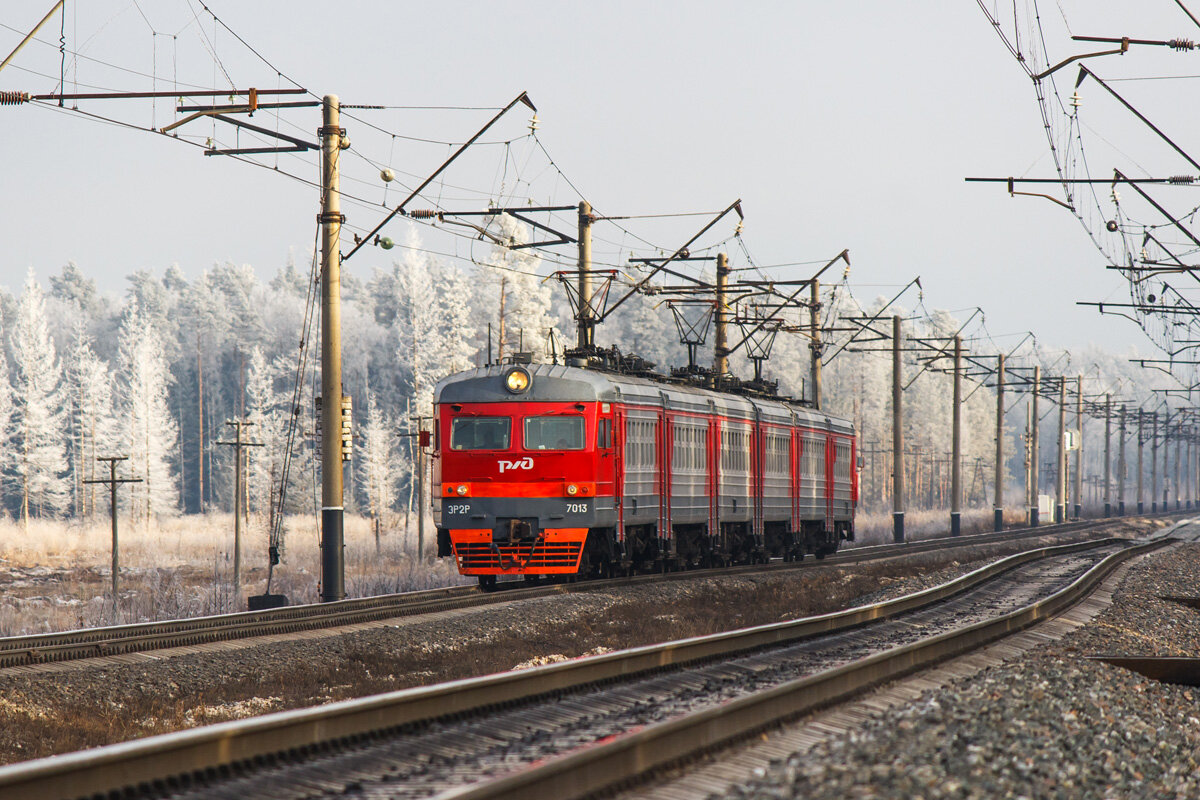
x=1169, y=466
x=1154, y=462
x=897, y=435
x=1079, y=447
x=1107, y=455
x=584, y=333
x=333, y=566
x=1060, y=480
x=1026, y=446
x=1034, y=499
x=814, y=325
x=1187, y=470
x=956, y=445
x=238, y=510
x=420, y=496
x=1178, y=493
x=998, y=502
x=1121, y=471
x=112, y=480
x=1141, y=477
x=721, y=334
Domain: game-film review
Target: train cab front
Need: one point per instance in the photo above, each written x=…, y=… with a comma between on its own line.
x=514, y=476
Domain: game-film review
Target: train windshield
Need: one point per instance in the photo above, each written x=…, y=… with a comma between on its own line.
x=480, y=433
x=554, y=433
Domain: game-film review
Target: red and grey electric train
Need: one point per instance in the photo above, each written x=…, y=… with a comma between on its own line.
x=560, y=470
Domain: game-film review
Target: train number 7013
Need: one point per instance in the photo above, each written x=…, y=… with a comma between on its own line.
x=577, y=508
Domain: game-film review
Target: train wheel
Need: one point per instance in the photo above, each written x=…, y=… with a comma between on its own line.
x=487, y=583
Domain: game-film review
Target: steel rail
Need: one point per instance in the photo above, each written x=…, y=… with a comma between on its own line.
x=178, y=759
x=143, y=637
x=623, y=760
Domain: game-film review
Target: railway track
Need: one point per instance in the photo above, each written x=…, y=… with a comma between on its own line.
x=117, y=640
x=676, y=698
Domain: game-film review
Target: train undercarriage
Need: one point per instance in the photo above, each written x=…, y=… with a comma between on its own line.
x=598, y=553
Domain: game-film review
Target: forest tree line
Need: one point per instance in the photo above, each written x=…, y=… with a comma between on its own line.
x=155, y=374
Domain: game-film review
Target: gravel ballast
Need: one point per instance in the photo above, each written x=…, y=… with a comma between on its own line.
x=1049, y=724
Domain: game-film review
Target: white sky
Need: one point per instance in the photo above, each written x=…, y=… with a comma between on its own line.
x=839, y=124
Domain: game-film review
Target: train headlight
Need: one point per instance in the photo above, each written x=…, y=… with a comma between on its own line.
x=572, y=489
x=517, y=380
x=461, y=490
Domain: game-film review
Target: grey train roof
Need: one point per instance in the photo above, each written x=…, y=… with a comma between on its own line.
x=561, y=384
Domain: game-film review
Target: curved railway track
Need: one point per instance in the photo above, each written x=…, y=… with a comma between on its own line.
x=117, y=640
x=235, y=755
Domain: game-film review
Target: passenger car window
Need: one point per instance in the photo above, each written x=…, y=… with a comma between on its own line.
x=554, y=433
x=480, y=433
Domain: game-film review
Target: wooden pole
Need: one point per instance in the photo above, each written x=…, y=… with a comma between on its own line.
x=112, y=480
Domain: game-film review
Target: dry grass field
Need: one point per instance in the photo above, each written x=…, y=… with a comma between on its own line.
x=57, y=576
x=926, y=523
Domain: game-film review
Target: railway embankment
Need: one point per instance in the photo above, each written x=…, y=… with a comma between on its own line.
x=1050, y=723
x=66, y=707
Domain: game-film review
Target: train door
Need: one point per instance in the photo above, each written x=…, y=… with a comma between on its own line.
x=665, y=444
x=794, y=449
x=712, y=473
x=619, y=442
x=757, y=474
x=830, y=477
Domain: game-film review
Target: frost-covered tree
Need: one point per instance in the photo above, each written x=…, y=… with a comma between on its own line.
x=7, y=409
x=266, y=408
x=458, y=325
x=377, y=464
x=517, y=296
x=418, y=326
x=150, y=433
x=94, y=428
x=40, y=415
